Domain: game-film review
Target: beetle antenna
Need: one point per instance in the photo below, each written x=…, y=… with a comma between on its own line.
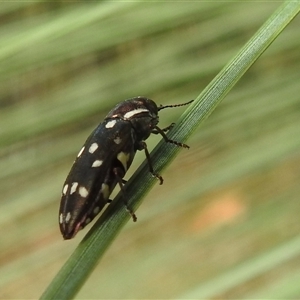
x=175, y=105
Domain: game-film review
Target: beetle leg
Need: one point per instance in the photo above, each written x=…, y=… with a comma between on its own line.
x=143, y=145
x=161, y=132
x=155, y=131
x=121, y=184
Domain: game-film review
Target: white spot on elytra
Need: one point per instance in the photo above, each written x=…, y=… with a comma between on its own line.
x=68, y=217
x=93, y=147
x=123, y=158
x=87, y=221
x=73, y=187
x=105, y=190
x=83, y=192
x=65, y=189
x=134, y=112
x=110, y=124
x=117, y=140
x=97, y=163
x=96, y=210
x=80, y=152
x=60, y=218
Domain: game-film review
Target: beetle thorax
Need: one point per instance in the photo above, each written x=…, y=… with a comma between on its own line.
x=141, y=112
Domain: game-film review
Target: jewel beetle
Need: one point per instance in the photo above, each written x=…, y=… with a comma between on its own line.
x=105, y=158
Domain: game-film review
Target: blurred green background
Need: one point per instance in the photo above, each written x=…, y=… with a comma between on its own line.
x=225, y=224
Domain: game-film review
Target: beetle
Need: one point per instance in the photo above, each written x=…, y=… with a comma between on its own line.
x=104, y=160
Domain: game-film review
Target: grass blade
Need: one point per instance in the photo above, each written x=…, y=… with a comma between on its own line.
x=81, y=263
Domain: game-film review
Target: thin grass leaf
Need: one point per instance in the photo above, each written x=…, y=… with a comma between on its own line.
x=81, y=263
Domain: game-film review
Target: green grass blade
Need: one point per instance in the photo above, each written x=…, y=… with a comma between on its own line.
x=81, y=263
